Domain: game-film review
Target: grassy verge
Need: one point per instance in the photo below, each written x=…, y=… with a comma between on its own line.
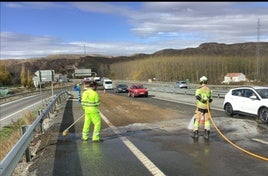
x=10, y=134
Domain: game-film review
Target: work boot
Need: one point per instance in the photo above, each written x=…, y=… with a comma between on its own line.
x=195, y=134
x=84, y=139
x=100, y=140
x=206, y=136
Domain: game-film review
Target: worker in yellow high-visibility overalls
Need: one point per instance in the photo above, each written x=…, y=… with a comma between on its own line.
x=90, y=102
x=204, y=96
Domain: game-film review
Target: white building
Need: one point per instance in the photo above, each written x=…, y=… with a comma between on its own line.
x=234, y=77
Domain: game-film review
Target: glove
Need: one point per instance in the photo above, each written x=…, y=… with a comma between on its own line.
x=198, y=97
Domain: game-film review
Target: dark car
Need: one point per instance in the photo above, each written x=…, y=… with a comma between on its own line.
x=121, y=88
x=136, y=90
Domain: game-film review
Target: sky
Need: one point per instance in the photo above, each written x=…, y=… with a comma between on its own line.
x=40, y=29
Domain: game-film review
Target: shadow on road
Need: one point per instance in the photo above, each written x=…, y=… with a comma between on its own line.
x=66, y=155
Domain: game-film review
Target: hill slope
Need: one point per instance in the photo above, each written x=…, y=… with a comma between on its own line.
x=101, y=64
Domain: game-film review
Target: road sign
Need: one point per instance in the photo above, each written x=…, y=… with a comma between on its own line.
x=82, y=72
x=45, y=75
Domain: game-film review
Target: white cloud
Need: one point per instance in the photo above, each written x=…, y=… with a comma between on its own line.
x=34, y=5
x=17, y=46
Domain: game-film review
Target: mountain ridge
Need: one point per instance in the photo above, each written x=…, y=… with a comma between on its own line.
x=101, y=64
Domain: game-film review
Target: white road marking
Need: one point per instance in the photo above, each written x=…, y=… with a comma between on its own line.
x=146, y=162
x=16, y=100
x=259, y=140
x=27, y=107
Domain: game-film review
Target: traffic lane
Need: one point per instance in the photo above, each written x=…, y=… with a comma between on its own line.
x=110, y=157
x=217, y=103
x=17, y=105
x=11, y=107
x=175, y=153
x=242, y=130
x=244, y=127
x=169, y=146
x=12, y=111
x=68, y=155
x=182, y=106
x=172, y=99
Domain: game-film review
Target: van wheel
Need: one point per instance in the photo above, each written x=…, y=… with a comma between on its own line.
x=263, y=115
x=228, y=109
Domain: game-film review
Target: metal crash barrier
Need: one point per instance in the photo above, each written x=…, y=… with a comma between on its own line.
x=9, y=163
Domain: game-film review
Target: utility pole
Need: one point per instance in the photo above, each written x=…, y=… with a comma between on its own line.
x=258, y=49
x=85, y=49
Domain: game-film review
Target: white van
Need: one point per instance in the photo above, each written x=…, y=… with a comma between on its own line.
x=107, y=84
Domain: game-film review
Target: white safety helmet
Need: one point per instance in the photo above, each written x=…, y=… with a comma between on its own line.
x=203, y=79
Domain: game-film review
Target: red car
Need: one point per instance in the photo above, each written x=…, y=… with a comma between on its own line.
x=136, y=90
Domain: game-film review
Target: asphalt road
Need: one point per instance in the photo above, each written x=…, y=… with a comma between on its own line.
x=148, y=136
x=12, y=111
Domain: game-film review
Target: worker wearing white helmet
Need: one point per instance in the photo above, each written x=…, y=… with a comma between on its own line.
x=204, y=96
x=203, y=79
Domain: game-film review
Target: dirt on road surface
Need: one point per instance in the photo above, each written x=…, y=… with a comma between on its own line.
x=125, y=110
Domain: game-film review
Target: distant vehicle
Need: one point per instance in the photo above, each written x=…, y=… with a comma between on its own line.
x=107, y=84
x=95, y=79
x=136, y=90
x=181, y=84
x=98, y=80
x=88, y=79
x=5, y=91
x=121, y=88
x=248, y=101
